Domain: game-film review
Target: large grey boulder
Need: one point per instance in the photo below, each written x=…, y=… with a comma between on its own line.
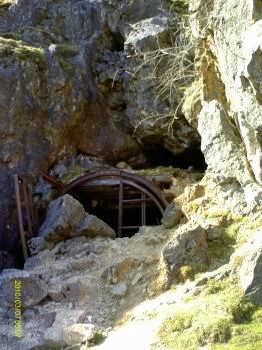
x=92, y=226
x=31, y=288
x=79, y=333
x=66, y=218
x=187, y=247
x=63, y=216
x=251, y=269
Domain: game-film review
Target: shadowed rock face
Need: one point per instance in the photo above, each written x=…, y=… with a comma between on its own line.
x=65, y=87
x=228, y=56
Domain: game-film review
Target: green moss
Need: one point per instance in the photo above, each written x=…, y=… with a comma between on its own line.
x=66, y=51
x=63, y=53
x=73, y=173
x=49, y=133
x=21, y=51
x=66, y=66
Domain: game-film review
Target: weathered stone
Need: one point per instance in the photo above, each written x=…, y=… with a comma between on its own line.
x=54, y=335
x=37, y=244
x=31, y=289
x=172, y=216
x=79, y=333
x=251, y=269
x=119, y=289
x=62, y=218
x=229, y=80
x=189, y=243
x=92, y=226
x=147, y=35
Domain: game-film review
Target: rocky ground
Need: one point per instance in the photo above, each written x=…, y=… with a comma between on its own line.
x=194, y=280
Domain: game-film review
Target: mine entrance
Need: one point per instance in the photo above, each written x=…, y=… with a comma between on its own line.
x=123, y=200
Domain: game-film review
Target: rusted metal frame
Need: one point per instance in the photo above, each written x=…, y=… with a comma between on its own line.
x=143, y=208
x=155, y=200
x=27, y=208
x=113, y=173
x=120, y=208
x=20, y=215
x=33, y=209
x=53, y=181
x=136, y=200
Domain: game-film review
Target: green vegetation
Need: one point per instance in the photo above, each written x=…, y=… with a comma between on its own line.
x=21, y=51
x=97, y=339
x=66, y=51
x=63, y=53
x=219, y=317
x=73, y=173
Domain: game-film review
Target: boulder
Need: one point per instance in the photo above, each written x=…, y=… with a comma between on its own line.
x=172, y=216
x=92, y=226
x=63, y=216
x=79, y=333
x=189, y=244
x=147, y=34
x=30, y=288
x=251, y=269
x=55, y=335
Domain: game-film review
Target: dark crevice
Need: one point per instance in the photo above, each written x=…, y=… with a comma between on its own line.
x=191, y=158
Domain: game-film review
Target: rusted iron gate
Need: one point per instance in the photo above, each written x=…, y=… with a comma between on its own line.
x=149, y=193
x=26, y=212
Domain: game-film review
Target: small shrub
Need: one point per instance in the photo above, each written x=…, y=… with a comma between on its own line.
x=216, y=330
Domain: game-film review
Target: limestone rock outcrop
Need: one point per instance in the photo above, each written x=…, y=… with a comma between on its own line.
x=228, y=73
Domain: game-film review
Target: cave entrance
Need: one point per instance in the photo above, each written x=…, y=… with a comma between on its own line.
x=123, y=200
x=192, y=157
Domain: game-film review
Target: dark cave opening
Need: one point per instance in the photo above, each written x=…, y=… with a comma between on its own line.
x=192, y=158
x=107, y=209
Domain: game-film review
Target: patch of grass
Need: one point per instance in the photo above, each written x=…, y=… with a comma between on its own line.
x=186, y=272
x=245, y=336
x=217, y=317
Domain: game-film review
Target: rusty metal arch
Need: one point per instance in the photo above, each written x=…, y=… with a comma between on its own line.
x=124, y=175
x=149, y=193
x=145, y=187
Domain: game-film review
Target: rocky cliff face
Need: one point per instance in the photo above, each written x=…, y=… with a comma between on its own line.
x=228, y=57
x=70, y=84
